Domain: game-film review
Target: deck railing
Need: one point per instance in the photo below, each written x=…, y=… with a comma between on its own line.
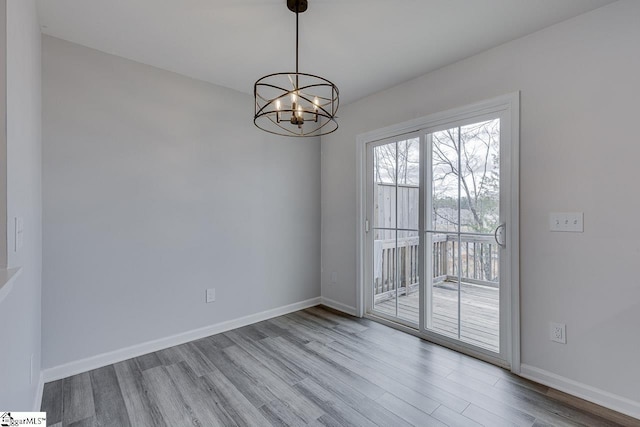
x=478, y=256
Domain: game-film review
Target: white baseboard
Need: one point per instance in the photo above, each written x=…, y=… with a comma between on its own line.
x=37, y=403
x=105, y=359
x=338, y=306
x=583, y=391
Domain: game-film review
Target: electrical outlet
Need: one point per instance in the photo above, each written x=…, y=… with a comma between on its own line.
x=211, y=295
x=334, y=277
x=31, y=370
x=558, y=332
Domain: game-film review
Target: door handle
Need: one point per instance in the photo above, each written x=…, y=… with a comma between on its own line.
x=495, y=234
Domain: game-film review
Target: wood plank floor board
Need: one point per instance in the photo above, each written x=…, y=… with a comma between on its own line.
x=553, y=406
x=430, y=396
x=589, y=407
x=290, y=333
x=312, y=332
x=486, y=418
x=252, y=333
x=257, y=393
x=148, y=361
x=325, y=334
x=344, y=414
x=304, y=408
x=214, y=342
x=324, y=322
x=314, y=367
x=394, y=382
x=489, y=379
x=52, y=401
x=421, y=348
x=200, y=404
x=358, y=401
x=110, y=409
x=332, y=334
x=279, y=413
x=197, y=361
x=230, y=401
x=317, y=367
x=408, y=412
x=141, y=409
x=86, y=422
x=77, y=398
x=528, y=403
x=339, y=318
x=269, y=329
x=169, y=401
x=325, y=421
x=287, y=372
x=406, y=362
x=452, y=418
x=491, y=401
x=329, y=323
x=169, y=356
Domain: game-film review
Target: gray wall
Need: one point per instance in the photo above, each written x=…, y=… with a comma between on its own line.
x=156, y=187
x=579, y=152
x=20, y=310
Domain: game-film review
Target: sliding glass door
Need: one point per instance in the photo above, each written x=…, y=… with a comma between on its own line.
x=436, y=259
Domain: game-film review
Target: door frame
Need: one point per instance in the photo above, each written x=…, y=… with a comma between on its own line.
x=509, y=105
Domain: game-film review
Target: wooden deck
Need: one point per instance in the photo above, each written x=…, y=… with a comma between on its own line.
x=479, y=307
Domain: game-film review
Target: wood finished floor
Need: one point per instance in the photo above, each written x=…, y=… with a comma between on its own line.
x=313, y=367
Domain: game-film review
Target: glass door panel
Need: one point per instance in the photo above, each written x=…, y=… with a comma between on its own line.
x=384, y=228
x=443, y=289
x=479, y=263
x=463, y=212
x=394, y=235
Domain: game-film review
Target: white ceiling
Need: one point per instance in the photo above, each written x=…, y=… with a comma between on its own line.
x=363, y=46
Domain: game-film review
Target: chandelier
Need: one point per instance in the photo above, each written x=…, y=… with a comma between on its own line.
x=296, y=104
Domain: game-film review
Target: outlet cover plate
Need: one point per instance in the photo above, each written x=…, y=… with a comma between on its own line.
x=211, y=295
x=558, y=332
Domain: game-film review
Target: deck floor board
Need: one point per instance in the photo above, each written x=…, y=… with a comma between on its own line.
x=479, y=307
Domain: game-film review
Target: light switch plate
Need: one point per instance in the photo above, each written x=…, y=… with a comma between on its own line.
x=568, y=222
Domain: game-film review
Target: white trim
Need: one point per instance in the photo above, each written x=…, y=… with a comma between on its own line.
x=513, y=328
x=336, y=305
x=37, y=403
x=360, y=217
x=104, y=359
x=583, y=391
